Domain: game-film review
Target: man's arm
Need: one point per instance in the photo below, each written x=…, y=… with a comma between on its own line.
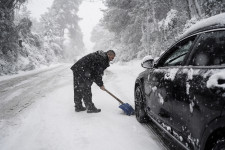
x=98, y=78
x=98, y=70
x=98, y=73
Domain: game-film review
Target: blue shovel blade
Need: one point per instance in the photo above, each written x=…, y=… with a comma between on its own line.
x=127, y=108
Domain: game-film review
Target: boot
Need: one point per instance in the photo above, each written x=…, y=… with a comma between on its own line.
x=93, y=109
x=79, y=108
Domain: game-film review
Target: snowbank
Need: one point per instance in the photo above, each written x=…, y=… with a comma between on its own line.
x=171, y=74
x=23, y=73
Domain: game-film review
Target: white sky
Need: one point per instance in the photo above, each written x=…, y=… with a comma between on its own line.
x=89, y=12
x=38, y=7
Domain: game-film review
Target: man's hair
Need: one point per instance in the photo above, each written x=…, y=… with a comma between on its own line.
x=111, y=52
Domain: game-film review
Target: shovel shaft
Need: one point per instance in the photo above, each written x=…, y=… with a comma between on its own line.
x=114, y=97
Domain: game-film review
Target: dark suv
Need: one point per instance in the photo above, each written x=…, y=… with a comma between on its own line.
x=183, y=92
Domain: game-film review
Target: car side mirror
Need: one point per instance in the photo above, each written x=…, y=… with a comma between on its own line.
x=147, y=62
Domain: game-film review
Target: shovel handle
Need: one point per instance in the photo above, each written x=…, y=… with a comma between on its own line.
x=114, y=97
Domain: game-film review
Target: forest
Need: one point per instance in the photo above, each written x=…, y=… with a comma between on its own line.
x=136, y=28
x=26, y=43
x=133, y=28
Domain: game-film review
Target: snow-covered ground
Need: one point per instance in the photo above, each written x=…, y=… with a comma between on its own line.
x=37, y=113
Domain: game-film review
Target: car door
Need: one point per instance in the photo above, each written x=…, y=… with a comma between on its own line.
x=161, y=82
x=204, y=101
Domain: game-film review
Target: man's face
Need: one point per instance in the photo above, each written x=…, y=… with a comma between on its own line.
x=111, y=57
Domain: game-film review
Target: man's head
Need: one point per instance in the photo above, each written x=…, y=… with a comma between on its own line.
x=111, y=54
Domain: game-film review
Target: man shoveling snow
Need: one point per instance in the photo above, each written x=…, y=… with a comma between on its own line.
x=87, y=70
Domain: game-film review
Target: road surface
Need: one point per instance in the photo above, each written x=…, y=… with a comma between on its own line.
x=37, y=112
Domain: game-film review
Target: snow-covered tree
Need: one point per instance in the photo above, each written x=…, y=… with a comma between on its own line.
x=103, y=38
x=25, y=43
x=213, y=7
x=9, y=38
x=61, y=23
x=143, y=27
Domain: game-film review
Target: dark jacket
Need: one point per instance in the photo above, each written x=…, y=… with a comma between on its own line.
x=91, y=67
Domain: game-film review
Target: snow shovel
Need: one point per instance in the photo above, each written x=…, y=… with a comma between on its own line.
x=127, y=108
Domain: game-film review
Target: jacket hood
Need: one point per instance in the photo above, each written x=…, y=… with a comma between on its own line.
x=103, y=54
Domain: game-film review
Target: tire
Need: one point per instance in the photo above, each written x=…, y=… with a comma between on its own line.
x=140, y=113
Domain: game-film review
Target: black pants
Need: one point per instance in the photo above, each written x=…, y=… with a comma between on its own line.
x=82, y=90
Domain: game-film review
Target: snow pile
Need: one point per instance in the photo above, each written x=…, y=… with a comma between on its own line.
x=214, y=20
x=213, y=80
x=171, y=74
x=189, y=24
x=154, y=88
x=161, y=100
x=168, y=128
x=187, y=88
x=191, y=105
x=24, y=73
x=189, y=73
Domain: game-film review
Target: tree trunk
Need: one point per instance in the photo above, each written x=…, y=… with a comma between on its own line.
x=9, y=3
x=198, y=8
x=192, y=9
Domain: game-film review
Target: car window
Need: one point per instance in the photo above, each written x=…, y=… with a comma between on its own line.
x=210, y=50
x=177, y=54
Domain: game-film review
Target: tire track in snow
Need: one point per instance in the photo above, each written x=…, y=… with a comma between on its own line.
x=20, y=92
x=52, y=123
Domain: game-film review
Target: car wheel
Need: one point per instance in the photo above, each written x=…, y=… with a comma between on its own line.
x=219, y=144
x=140, y=105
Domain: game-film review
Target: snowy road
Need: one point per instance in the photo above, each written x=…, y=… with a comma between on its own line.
x=36, y=112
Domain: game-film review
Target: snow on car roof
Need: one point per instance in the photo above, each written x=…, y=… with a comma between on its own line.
x=214, y=20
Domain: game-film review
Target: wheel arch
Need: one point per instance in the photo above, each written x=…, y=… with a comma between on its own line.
x=213, y=131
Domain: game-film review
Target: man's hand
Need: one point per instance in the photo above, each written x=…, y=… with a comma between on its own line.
x=102, y=88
